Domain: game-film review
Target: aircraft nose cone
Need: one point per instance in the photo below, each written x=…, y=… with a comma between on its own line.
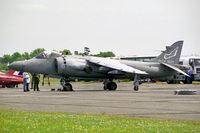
x=17, y=65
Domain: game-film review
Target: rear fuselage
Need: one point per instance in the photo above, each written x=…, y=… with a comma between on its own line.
x=154, y=69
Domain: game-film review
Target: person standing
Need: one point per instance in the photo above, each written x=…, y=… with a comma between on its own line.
x=36, y=82
x=190, y=73
x=27, y=81
x=24, y=81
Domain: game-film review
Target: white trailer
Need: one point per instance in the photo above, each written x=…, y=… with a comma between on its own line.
x=193, y=62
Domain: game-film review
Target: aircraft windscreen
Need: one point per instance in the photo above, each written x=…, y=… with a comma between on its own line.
x=48, y=55
x=41, y=56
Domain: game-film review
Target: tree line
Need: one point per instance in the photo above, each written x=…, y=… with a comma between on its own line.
x=7, y=58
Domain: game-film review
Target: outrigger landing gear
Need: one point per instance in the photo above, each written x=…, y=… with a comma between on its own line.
x=109, y=85
x=136, y=83
x=66, y=85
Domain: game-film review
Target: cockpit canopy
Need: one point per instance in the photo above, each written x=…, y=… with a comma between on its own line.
x=48, y=55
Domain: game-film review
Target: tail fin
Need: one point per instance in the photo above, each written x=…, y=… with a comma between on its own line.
x=13, y=72
x=10, y=72
x=172, y=53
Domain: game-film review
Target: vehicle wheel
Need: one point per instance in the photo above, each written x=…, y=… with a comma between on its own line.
x=136, y=88
x=112, y=86
x=67, y=87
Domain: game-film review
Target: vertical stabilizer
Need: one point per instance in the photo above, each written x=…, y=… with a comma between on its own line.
x=10, y=72
x=172, y=53
x=13, y=72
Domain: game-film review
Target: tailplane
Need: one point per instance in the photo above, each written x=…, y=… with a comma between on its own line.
x=172, y=53
x=10, y=72
x=13, y=72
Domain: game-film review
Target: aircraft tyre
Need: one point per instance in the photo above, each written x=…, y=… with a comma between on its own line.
x=136, y=88
x=67, y=87
x=111, y=86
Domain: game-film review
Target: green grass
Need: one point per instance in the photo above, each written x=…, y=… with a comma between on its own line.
x=42, y=122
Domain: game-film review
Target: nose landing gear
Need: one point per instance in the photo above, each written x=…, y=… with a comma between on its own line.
x=136, y=83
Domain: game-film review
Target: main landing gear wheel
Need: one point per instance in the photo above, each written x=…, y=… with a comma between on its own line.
x=67, y=87
x=110, y=86
x=136, y=88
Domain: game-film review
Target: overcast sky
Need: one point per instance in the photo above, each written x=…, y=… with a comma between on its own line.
x=126, y=27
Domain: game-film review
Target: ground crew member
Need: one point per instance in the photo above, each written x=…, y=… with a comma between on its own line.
x=36, y=82
x=190, y=73
x=24, y=81
x=33, y=81
x=27, y=81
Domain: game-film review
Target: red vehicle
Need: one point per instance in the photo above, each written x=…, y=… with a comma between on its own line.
x=11, y=79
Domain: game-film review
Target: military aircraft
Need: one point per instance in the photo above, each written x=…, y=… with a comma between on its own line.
x=72, y=67
x=11, y=79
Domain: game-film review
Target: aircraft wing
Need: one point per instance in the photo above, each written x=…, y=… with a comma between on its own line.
x=114, y=64
x=175, y=69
